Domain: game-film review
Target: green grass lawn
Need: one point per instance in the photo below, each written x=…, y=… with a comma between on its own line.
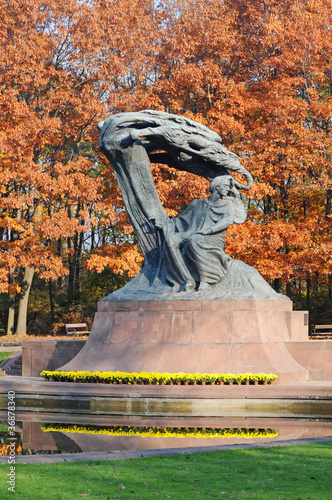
x=4, y=355
x=290, y=472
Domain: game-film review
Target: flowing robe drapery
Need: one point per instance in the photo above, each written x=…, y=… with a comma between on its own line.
x=200, y=241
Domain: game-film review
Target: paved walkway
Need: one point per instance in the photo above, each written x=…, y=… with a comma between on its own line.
x=10, y=349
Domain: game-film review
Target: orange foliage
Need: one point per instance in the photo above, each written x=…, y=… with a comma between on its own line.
x=108, y=256
x=258, y=73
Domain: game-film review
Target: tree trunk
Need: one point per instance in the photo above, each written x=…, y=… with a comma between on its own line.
x=71, y=264
x=71, y=275
x=78, y=262
x=21, y=328
x=50, y=291
x=59, y=252
x=14, y=235
x=308, y=298
x=92, y=239
x=11, y=307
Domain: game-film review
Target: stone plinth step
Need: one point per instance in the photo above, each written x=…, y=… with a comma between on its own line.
x=13, y=366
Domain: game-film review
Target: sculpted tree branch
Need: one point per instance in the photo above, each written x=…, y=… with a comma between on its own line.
x=187, y=145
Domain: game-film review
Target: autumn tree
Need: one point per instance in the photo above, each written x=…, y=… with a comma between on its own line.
x=56, y=83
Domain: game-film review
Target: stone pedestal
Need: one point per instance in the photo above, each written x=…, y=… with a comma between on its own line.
x=195, y=336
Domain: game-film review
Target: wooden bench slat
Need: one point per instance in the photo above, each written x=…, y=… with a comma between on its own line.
x=72, y=329
x=78, y=333
x=74, y=325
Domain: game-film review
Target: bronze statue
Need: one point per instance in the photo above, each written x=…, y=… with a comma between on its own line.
x=184, y=256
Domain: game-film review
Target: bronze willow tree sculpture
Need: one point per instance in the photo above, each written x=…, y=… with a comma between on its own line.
x=184, y=256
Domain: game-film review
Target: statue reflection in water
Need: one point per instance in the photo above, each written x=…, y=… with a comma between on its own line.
x=193, y=242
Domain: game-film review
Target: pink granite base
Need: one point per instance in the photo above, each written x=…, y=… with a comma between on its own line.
x=39, y=355
x=315, y=356
x=195, y=336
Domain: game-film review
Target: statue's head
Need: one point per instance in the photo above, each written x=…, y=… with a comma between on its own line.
x=223, y=183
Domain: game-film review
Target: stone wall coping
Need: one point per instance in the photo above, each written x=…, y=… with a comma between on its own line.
x=36, y=385
x=195, y=305
x=312, y=345
x=35, y=344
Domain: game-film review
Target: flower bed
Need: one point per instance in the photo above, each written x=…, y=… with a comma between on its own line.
x=160, y=378
x=180, y=432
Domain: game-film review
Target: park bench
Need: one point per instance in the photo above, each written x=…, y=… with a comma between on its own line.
x=321, y=330
x=77, y=329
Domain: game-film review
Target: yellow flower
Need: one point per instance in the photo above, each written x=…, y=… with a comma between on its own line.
x=161, y=431
x=130, y=377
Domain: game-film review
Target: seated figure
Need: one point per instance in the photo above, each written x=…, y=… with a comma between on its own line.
x=193, y=242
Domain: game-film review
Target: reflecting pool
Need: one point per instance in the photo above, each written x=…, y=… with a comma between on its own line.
x=40, y=433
